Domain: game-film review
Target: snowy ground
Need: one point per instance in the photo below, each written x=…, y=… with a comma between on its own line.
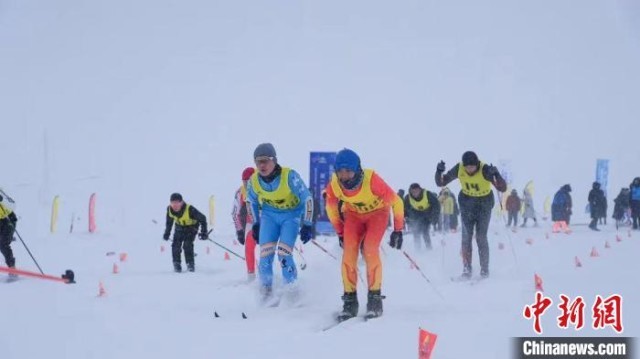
x=149, y=311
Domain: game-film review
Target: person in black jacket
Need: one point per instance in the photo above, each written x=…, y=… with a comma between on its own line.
x=8, y=222
x=621, y=206
x=476, y=201
x=421, y=209
x=597, y=205
x=634, y=201
x=187, y=220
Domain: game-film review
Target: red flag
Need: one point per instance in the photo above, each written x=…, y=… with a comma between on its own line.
x=426, y=344
x=538, y=281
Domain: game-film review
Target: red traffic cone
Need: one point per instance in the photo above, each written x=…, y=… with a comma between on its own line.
x=538, y=282
x=606, y=244
x=594, y=252
x=101, y=291
x=578, y=263
x=226, y=256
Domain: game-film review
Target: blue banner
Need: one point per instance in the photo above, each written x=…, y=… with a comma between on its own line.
x=602, y=174
x=321, y=169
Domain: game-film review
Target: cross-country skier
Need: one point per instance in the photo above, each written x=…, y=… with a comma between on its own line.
x=279, y=201
x=187, y=219
x=476, y=201
x=8, y=222
x=366, y=202
x=421, y=210
x=243, y=223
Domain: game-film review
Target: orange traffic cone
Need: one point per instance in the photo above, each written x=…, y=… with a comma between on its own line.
x=101, y=291
x=594, y=252
x=578, y=263
x=115, y=268
x=226, y=256
x=606, y=244
x=123, y=257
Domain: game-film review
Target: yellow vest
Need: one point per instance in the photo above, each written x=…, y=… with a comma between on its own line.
x=421, y=205
x=473, y=185
x=362, y=202
x=185, y=219
x=4, y=211
x=281, y=198
x=447, y=205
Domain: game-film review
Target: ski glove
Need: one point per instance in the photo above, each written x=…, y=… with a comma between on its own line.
x=441, y=166
x=166, y=236
x=204, y=236
x=240, y=235
x=396, y=240
x=256, y=232
x=492, y=171
x=341, y=241
x=306, y=233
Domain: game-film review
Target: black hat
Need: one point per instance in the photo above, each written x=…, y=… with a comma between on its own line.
x=175, y=197
x=414, y=186
x=470, y=158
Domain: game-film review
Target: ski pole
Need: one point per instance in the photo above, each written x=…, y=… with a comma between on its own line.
x=422, y=273
x=303, y=265
x=28, y=251
x=323, y=249
x=223, y=247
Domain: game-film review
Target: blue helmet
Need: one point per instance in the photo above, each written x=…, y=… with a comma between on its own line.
x=347, y=159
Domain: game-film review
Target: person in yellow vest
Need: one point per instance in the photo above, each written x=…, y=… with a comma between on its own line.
x=282, y=208
x=8, y=222
x=447, y=208
x=187, y=219
x=366, y=200
x=421, y=210
x=476, y=201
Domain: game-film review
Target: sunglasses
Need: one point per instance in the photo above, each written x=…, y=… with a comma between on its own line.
x=260, y=160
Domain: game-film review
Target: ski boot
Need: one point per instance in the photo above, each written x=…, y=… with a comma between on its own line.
x=177, y=267
x=12, y=276
x=484, y=273
x=374, y=304
x=467, y=272
x=191, y=267
x=350, y=306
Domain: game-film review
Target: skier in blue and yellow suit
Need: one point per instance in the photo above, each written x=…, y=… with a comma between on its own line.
x=279, y=201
